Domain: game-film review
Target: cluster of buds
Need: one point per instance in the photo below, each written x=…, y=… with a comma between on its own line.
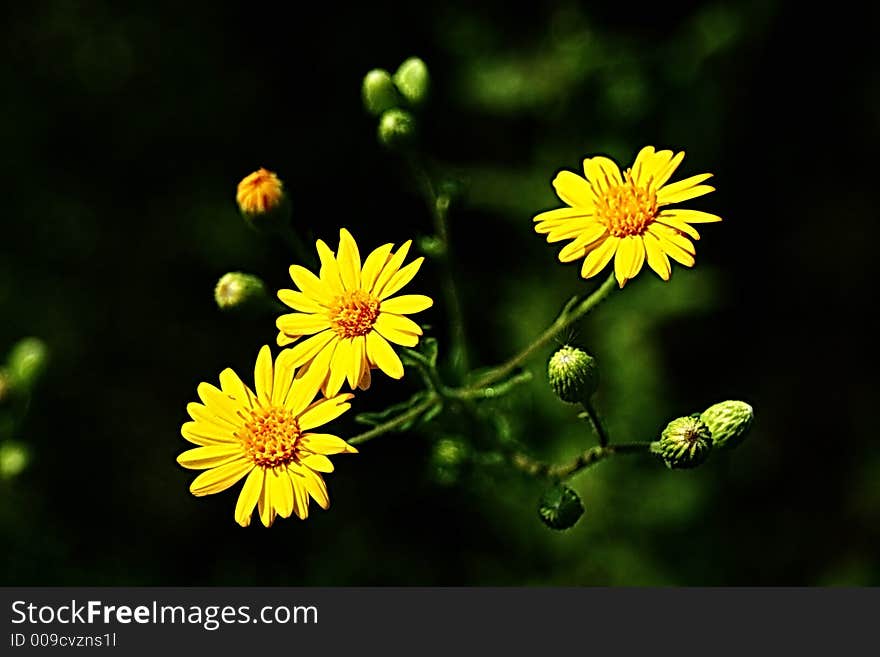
x=686, y=442
x=393, y=98
x=23, y=369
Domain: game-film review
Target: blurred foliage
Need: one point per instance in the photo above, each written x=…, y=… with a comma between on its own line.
x=127, y=127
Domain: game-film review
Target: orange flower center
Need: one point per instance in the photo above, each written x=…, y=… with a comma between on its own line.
x=627, y=209
x=259, y=192
x=353, y=313
x=270, y=437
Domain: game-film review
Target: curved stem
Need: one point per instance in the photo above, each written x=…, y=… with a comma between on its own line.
x=590, y=457
x=569, y=315
x=596, y=422
x=438, y=206
x=396, y=422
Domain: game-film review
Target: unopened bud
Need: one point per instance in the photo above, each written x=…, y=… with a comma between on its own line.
x=261, y=199
x=729, y=421
x=448, y=458
x=560, y=507
x=684, y=443
x=412, y=80
x=379, y=93
x=237, y=291
x=27, y=362
x=14, y=458
x=397, y=129
x=573, y=374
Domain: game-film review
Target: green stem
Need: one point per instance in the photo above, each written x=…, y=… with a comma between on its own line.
x=396, y=422
x=438, y=206
x=563, y=471
x=569, y=315
x=596, y=422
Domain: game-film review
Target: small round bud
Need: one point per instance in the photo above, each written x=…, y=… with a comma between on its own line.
x=448, y=458
x=729, y=421
x=379, y=93
x=237, y=291
x=413, y=81
x=560, y=507
x=573, y=374
x=684, y=443
x=397, y=129
x=27, y=362
x=261, y=199
x=432, y=246
x=14, y=458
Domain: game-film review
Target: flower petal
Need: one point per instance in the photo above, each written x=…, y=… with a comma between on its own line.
x=579, y=247
x=220, y=478
x=311, y=285
x=309, y=348
x=283, y=377
x=233, y=386
x=672, y=249
x=329, y=273
x=263, y=375
x=300, y=324
x=390, y=268
x=247, y=498
x=665, y=173
x=318, y=463
x=300, y=493
x=401, y=278
x=598, y=257
x=357, y=360
x=381, y=353
x=602, y=173
x=407, y=304
x=325, y=443
x=684, y=190
x=264, y=503
x=317, y=488
x=309, y=380
x=349, y=260
x=574, y=190
x=282, y=491
x=219, y=403
x=389, y=322
x=657, y=259
x=339, y=366
x=691, y=216
x=679, y=225
x=203, y=433
x=212, y=456
x=560, y=214
x=629, y=258
x=324, y=411
x=301, y=302
x=373, y=266
x=571, y=228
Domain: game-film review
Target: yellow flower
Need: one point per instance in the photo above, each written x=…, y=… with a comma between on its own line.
x=267, y=437
x=625, y=216
x=259, y=192
x=351, y=314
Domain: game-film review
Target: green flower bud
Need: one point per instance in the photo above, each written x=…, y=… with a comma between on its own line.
x=684, y=443
x=238, y=292
x=14, y=458
x=432, y=246
x=379, y=93
x=573, y=374
x=560, y=507
x=262, y=200
x=448, y=458
x=729, y=421
x=413, y=81
x=397, y=129
x=27, y=362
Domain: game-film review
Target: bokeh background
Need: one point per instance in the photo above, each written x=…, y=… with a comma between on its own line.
x=125, y=128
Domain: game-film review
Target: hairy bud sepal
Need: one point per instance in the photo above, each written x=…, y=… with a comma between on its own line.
x=397, y=129
x=240, y=292
x=573, y=374
x=560, y=507
x=413, y=81
x=685, y=443
x=26, y=364
x=379, y=93
x=729, y=422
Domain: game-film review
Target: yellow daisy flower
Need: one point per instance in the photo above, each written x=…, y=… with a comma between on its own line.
x=351, y=314
x=625, y=216
x=266, y=437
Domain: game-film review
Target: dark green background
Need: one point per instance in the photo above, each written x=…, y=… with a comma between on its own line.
x=126, y=126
